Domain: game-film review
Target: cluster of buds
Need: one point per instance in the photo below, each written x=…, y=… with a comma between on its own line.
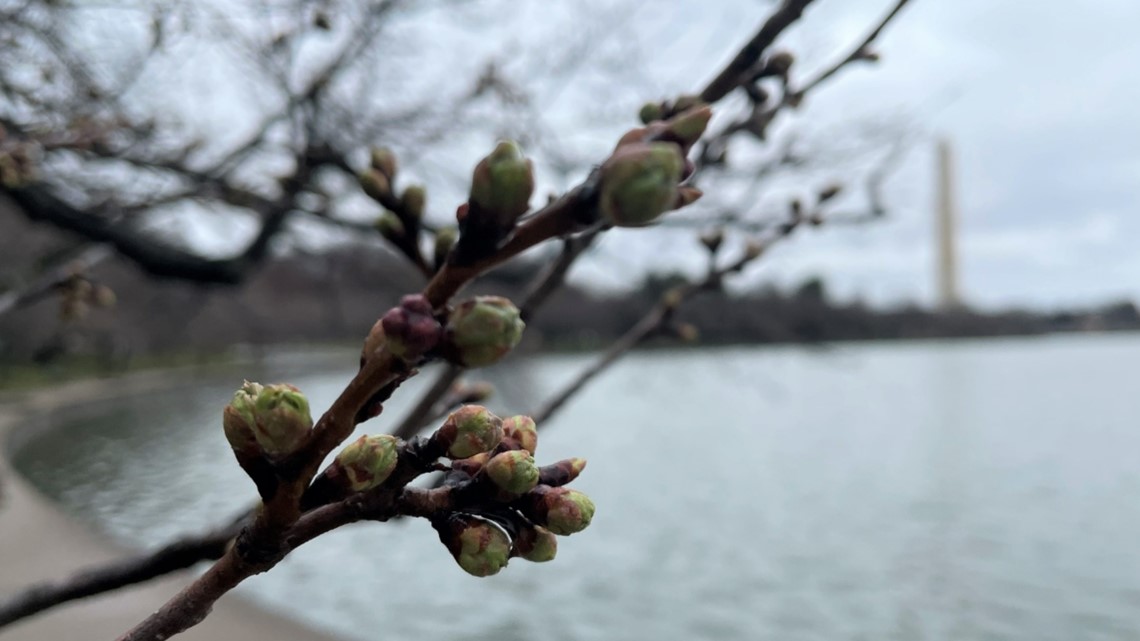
x=77, y=295
x=478, y=332
x=522, y=506
x=400, y=223
x=266, y=422
x=642, y=179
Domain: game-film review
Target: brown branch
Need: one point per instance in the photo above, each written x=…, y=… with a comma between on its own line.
x=650, y=324
x=51, y=281
x=734, y=74
x=176, y=555
x=859, y=52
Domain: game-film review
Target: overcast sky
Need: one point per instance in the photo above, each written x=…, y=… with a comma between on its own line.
x=1040, y=101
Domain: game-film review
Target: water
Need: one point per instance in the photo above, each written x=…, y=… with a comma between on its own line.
x=920, y=491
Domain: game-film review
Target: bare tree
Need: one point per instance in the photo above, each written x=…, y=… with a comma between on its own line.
x=494, y=502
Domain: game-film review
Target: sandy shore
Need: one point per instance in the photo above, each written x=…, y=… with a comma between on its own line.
x=39, y=542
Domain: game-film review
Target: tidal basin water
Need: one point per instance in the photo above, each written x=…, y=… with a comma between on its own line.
x=913, y=491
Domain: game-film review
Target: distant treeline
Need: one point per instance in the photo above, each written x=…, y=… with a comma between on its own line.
x=334, y=297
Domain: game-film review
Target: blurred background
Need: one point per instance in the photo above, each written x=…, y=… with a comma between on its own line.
x=938, y=448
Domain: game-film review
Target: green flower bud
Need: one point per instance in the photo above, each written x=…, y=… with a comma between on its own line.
x=281, y=420
x=383, y=160
x=688, y=126
x=513, y=471
x=562, y=510
x=414, y=200
x=238, y=419
x=375, y=184
x=540, y=547
x=444, y=240
x=479, y=546
x=470, y=430
x=650, y=111
x=639, y=183
x=503, y=183
x=368, y=461
x=390, y=226
x=523, y=430
x=482, y=330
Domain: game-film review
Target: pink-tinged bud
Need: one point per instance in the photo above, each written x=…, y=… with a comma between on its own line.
x=383, y=160
x=368, y=461
x=561, y=473
x=688, y=127
x=470, y=430
x=238, y=419
x=390, y=227
x=410, y=329
x=414, y=199
x=650, y=111
x=687, y=195
x=513, y=471
x=482, y=330
x=634, y=136
x=537, y=545
x=639, y=183
x=502, y=184
x=561, y=510
x=472, y=464
x=523, y=430
x=281, y=418
x=375, y=184
x=479, y=546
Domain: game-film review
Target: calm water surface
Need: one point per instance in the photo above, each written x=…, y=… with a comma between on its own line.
x=947, y=491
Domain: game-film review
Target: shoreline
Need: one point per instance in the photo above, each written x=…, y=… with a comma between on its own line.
x=38, y=541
